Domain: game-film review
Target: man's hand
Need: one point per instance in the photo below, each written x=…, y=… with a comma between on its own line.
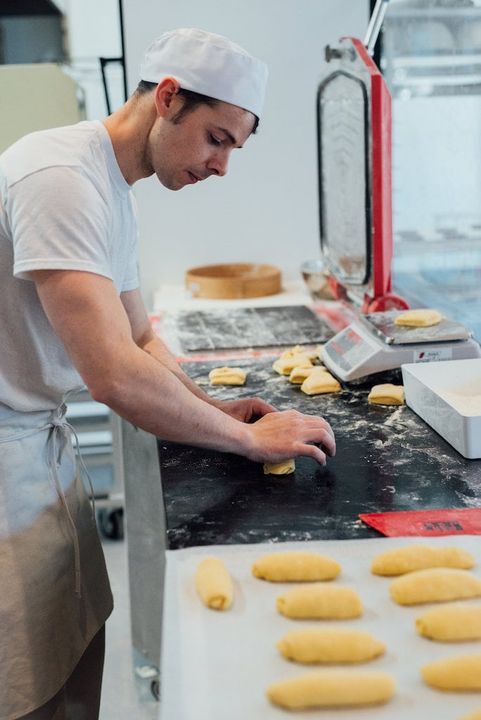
x=279, y=436
x=246, y=410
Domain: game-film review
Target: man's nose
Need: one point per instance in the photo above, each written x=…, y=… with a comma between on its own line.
x=218, y=163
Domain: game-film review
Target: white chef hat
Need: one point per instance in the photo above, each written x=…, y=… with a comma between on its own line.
x=208, y=64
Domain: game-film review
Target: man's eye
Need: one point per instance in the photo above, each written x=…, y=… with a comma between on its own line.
x=214, y=140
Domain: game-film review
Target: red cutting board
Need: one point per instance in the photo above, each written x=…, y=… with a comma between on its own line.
x=426, y=523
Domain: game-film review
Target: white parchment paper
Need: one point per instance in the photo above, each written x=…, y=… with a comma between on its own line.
x=217, y=665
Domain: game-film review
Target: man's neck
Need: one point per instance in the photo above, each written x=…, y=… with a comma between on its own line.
x=129, y=129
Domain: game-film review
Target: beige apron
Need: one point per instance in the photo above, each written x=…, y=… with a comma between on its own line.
x=54, y=589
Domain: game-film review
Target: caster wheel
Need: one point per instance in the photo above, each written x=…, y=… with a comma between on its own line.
x=111, y=523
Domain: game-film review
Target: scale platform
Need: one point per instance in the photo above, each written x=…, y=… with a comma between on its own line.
x=374, y=344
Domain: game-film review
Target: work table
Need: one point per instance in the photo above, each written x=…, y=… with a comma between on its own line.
x=387, y=459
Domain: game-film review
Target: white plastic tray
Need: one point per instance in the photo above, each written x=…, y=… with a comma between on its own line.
x=216, y=666
x=447, y=395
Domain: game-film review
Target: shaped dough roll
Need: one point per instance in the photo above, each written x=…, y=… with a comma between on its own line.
x=322, y=602
x=330, y=645
x=434, y=585
x=320, y=381
x=283, y=468
x=420, y=557
x=284, y=366
x=462, y=672
x=332, y=688
x=453, y=622
x=386, y=394
x=214, y=584
x=476, y=715
x=227, y=376
x=299, y=374
x=418, y=318
x=295, y=567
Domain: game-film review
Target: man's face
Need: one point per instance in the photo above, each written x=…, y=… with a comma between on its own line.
x=199, y=145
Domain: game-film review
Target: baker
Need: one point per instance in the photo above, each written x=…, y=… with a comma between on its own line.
x=71, y=315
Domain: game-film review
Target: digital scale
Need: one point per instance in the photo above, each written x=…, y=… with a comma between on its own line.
x=375, y=344
x=354, y=124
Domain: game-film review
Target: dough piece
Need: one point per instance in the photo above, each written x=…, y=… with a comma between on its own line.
x=434, y=585
x=419, y=557
x=386, y=394
x=214, y=584
x=332, y=688
x=476, y=715
x=320, y=381
x=452, y=622
x=319, y=352
x=462, y=672
x=227, y=376
x=283, y=468
x=330, y=645
x=299, y=374
x=300, y=350
x=418, y=318
x=323, y=602
x=295, y=567
x=284, y=366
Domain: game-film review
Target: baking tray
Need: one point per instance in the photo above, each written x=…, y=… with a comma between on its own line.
x=218, y=665
x=447, y=395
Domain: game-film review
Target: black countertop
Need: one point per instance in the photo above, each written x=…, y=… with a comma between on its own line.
x=387, y=459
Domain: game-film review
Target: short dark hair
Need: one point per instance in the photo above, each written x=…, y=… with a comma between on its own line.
x=191, y=99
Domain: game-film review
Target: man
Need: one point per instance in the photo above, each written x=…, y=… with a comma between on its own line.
x=71, y=314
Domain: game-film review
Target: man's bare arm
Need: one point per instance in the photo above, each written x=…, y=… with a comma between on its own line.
x=91, y=321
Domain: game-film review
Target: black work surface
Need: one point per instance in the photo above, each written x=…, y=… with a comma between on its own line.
x=228, y=328
x=387, y=459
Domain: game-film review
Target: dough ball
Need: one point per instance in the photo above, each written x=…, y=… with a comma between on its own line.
x=284, y=366
x=214, y=584
x=295, y=567
x=451, y=622
x=332, y=688
x=418, y=318
x=324, y=602
x=283, y=468
x=386, y=394
x=434, y=585
x=320, y=381
x=330, y=645
x=227, y=376
x=299, y=374
x=419, y=557
x=462, y=672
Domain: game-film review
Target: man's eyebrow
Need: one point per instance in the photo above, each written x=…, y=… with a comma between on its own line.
x=232, y=139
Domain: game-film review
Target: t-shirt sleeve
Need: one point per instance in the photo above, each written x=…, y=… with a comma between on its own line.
x=59, y=221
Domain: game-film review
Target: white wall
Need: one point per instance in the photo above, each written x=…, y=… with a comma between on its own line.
x=266, y=208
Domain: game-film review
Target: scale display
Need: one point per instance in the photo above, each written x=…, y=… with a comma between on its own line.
x=357, y=352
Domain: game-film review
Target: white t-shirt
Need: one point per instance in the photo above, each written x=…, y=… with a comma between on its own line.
x=64, y=204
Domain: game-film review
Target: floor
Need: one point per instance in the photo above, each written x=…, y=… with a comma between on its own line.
x=123, y=697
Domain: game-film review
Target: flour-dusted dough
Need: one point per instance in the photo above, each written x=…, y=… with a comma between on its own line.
x=322, y=602
x=450, y=623
x=462, y=672
x=284, y=366
x=227, y=376
x=419, y=557
x=332, y=688
x=295, y=566
x=320, y=381
x=299, y=374
x=386, y=394
x=434, y=585
x=330, y=645
x=283, y=468
x=418, y=318
x=214, y=584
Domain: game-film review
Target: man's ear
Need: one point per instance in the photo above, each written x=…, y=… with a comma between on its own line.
x=165, y=96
